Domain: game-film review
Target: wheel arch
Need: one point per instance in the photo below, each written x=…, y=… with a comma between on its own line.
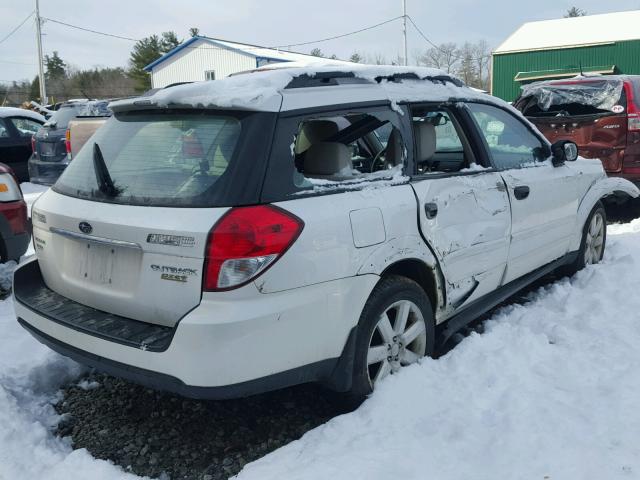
x=411, y=257
x=600, y=190
x=421, y=273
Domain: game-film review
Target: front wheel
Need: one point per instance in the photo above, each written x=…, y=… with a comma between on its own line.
x=594, y=239
x=396, y=329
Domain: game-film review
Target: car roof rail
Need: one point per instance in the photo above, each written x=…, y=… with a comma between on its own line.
x=442, y=79
x=325, y=79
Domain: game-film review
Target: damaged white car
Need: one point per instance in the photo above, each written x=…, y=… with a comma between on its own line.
x=227, y=238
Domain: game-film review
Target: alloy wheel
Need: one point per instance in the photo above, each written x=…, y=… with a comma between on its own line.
x=595, y=240
x=398, y=339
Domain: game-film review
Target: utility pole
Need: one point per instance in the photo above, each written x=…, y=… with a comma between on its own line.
x=404, y=31
x=43, y=89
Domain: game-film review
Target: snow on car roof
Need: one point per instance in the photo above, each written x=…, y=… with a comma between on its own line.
x=20, y=112
x=265, y=90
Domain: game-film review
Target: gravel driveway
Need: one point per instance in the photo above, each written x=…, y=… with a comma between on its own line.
x=158, y=434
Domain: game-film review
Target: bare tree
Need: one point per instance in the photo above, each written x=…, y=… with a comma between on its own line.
x=376, y=58
x=445, y=57
x=482, y=54
x=467, y=68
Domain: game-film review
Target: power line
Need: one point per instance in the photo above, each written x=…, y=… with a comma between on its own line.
x=253, y=47
x=337, y=36
x=437, y=47
x=17, y=28
x=91, y=31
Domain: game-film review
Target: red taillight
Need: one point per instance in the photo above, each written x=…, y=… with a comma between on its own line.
x=633, y=112
x=33, y=144
x=245, y=242
x=67, y=141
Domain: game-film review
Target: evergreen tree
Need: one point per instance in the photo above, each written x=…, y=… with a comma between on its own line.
x=194, y=31
x=355, y=57
x=575, y=12
x=146, y=51
x=55, y=66
x=316, y=52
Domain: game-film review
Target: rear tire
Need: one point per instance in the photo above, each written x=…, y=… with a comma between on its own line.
x=396, y=329
x=594, y=240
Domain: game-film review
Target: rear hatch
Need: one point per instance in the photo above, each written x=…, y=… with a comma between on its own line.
x=124, y=229
x=590, y=112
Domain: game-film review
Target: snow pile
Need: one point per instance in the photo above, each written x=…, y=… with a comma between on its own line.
x=551, y=390
x=30, y=375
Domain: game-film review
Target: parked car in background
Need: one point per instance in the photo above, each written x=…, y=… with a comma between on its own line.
x=17, y=127
x=601, y=114
x=84, y=125
x=226, y=238
x=53, y=148
x=50, y=152
x=14, y=224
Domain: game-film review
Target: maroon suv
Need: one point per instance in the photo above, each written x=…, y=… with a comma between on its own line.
x=601, y=114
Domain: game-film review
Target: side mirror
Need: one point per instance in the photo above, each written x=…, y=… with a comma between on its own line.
x=564, y=151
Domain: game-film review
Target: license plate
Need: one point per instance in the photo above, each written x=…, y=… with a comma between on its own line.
x=47, y=148
x=96, y=264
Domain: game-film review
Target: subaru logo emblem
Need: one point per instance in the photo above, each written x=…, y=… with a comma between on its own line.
x=85, y=227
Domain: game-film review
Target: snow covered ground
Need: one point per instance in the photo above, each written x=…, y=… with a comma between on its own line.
x=551, y=390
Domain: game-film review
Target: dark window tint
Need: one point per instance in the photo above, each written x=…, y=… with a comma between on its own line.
x=159, y=159
x=511, y=144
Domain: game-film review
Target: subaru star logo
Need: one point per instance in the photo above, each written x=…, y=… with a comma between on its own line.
x=85, y=227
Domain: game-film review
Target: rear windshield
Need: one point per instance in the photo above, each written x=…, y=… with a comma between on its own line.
x=64, y=115
x=573, y=98
x=162, y=159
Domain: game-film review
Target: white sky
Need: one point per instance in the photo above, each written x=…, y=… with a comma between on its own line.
x=266, y=22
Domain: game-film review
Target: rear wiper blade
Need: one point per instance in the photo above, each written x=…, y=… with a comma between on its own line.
x=105, y=182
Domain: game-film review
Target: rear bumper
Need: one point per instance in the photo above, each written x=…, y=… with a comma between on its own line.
x=226, y=347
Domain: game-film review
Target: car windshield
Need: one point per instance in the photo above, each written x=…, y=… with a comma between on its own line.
x=156, y=158
x=573, y=98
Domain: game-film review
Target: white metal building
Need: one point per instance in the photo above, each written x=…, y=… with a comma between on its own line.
x=203, y=58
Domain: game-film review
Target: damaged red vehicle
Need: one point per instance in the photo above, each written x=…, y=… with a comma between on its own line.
x=600, y=114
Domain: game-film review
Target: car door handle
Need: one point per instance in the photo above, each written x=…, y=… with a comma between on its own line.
x=431, y=210
x=521, y=192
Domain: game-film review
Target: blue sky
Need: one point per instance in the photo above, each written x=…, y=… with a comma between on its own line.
x=272, y=22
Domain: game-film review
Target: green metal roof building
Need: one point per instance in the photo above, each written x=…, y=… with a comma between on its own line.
x=562, y=48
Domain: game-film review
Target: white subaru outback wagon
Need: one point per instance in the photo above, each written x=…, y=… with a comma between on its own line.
x=230, y=237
